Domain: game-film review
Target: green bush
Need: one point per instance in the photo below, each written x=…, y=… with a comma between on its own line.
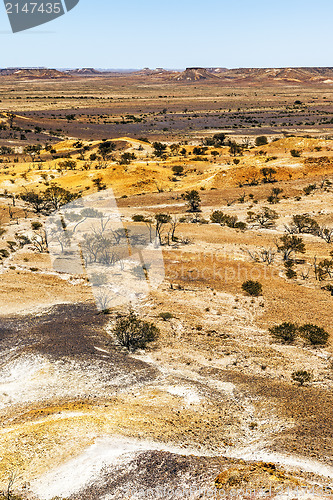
x=302, y=223
x=4, y=253
x=193, y=199
x=178, y=170
x=218, y=217
x=138, y=218
x=315, y=335
x=134, y=333
x=301, y=376
x=241, y=225
x=261, y=140
x=290, y=273
x=308, y=189
x=253, y=288
x=286, y=332
x=165, y=316
x=12, y=496
x=36, y=225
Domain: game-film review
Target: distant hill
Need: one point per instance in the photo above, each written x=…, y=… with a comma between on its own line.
x=257, y=75
x=283, y=75
x=217, y=70
x=84, y=72
x=33, y=73
x=218, y=75
x=156, y=71
x=195, y=74
x=116, y=72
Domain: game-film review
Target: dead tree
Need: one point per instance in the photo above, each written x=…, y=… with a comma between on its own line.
x=265, y=255
x=11, y=480
x=39, y=242
x=174, y=222
x=326, y=233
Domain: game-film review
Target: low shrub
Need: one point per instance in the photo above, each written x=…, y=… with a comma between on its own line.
x=261, y=140
x=4, y=253
x=36, y=225
x=253, y=288
x=286, y=332
x=134, y=333
x=165, y=316
x=314, y=334
x=301, y=376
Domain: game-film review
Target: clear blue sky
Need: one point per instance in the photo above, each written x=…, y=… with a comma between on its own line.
x=176, y=34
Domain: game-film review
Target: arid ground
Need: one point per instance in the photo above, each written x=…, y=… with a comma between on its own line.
x=212, y=405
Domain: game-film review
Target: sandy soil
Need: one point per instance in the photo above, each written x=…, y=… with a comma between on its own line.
x=213, y=396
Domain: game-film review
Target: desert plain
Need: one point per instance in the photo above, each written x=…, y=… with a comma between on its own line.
x=232, y=172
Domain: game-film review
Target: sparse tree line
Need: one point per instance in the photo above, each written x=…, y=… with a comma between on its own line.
x=216, y=141
x=288, y=333
x=102, y=244
x=288, y=246
x=41, y=203
x=162, y=227
x=304, y=224
x=266, y=218
x=49, y=200
x=105, y=152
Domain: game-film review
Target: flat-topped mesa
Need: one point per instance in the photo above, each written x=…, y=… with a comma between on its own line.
x=194, y=74
x=33, y=73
